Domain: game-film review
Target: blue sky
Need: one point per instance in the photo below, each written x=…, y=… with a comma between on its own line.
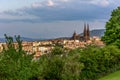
x=53, y=18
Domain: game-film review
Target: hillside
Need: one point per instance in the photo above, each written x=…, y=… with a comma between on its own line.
x=22, y=38
x=96, y=32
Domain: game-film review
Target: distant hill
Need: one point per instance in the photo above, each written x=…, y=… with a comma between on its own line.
x=22, y=38
x=96, y=32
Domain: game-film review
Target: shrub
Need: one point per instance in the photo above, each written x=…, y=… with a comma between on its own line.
x=15, y=64
x=99, y=61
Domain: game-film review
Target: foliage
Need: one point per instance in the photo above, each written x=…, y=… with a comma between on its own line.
x=72, y=67
x=53, y=68
x=99, y=61
x=112, y=34
x=15, y=64
x=57, y=50
x=88, y=63
x=60, y=66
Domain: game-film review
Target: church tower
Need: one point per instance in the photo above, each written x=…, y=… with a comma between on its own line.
x=88, y=32
x=74, y=35
x=85, y=32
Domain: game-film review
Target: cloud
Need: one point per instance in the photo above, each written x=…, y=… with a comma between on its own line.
x=61, y=10
x=36, y=4
x=50, y=3
x=43, y=4
x=103, y=3
x=65, y=0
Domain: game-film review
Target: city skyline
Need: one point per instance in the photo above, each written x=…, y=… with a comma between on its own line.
x=53, y=18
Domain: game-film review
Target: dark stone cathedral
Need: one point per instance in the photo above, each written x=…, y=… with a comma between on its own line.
x=84, y=37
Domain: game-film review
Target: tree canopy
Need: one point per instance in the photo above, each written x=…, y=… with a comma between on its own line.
x=112, y=34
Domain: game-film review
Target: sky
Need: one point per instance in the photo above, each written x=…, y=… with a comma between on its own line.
x=53, y=18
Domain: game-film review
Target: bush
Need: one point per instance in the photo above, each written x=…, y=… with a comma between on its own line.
x=15, y=64
x=57, y=67
x=99, y=61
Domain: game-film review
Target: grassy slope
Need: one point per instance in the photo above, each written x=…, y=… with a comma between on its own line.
x=113, y=76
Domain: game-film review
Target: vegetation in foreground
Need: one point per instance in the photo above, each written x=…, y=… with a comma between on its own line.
x=88, y=63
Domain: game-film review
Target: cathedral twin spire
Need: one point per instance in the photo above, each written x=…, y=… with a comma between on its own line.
x=86, y=32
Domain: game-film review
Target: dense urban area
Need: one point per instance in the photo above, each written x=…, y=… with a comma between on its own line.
x=46, y=46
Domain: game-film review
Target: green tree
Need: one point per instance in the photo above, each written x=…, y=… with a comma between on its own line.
x=15, y=64
x=112, y=34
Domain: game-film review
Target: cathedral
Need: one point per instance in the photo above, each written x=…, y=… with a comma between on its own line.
x=84, y=37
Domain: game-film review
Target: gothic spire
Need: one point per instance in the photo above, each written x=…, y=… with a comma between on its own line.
x=84, y=32
x=88, y=32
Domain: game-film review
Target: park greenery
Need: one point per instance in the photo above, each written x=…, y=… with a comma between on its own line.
x=89, y=63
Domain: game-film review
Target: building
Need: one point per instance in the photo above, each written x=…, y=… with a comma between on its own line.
x=84, y=37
